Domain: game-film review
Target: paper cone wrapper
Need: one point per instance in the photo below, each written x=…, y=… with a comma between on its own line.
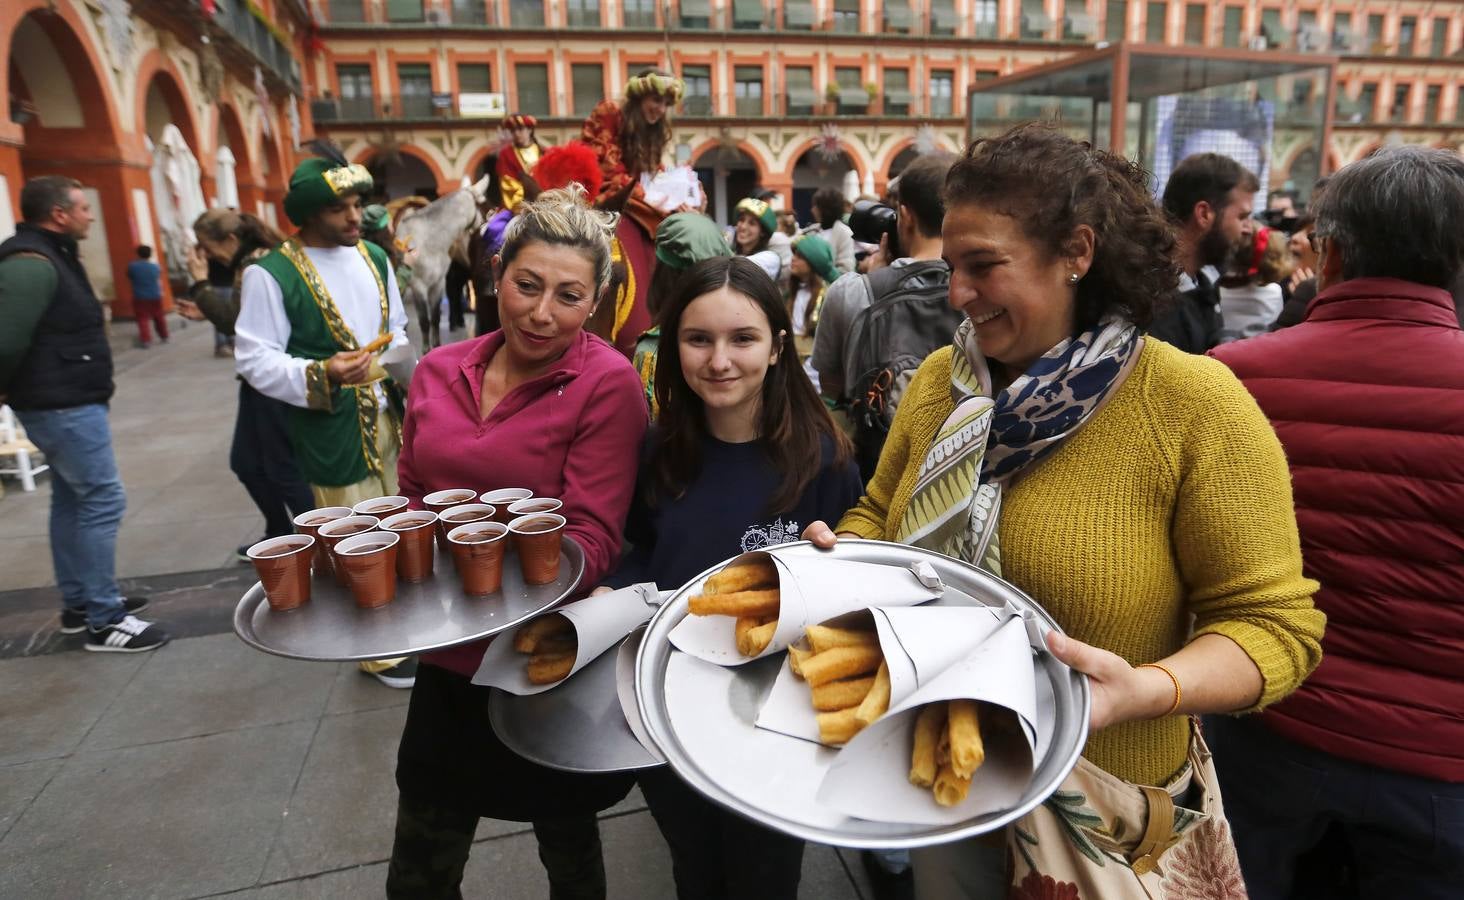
x=812, y=590
x=918, y=642
x=869, y=779
x=600, y=622
x=625, y=690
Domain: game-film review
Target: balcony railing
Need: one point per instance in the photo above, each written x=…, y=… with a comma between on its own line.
x=240, y=25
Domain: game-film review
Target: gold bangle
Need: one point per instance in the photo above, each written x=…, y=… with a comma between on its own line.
x=1178, y=694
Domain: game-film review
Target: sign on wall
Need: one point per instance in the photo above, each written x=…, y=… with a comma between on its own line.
x=474, y=105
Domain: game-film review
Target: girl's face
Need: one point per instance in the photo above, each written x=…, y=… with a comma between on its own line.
x=1015, y=292
x=726, y=347
x=799, y=268
x=748, y=233
x=544, y=296
x=653, y=107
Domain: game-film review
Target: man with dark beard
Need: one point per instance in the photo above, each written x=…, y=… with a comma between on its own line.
x=1208, y=198
x=630, y=139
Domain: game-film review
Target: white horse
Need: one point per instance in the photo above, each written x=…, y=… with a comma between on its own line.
x=439, y=234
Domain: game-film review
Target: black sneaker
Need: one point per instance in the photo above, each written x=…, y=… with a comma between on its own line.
x=401, y=676
x=131, y=635
x=73, y=621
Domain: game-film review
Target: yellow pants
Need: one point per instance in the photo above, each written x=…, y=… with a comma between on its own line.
x=384, y=485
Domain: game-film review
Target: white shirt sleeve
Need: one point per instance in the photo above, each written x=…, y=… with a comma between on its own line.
x=260, y=335
x=396, y=313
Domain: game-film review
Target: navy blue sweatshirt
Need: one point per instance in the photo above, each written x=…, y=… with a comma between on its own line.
x=724, y=512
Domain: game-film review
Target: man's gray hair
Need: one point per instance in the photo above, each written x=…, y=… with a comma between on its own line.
x=41, y=195
x=1397, y=214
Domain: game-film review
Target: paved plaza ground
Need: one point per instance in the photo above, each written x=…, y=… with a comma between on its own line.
x=206, y=768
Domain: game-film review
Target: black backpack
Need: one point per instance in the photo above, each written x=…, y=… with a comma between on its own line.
x=909, y=316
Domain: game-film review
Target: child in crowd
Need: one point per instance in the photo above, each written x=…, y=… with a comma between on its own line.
x=147, y=297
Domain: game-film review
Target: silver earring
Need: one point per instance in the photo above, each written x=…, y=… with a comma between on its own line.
x=1073, y=279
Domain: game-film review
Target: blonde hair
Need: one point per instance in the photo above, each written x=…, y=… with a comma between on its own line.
x=564, y=218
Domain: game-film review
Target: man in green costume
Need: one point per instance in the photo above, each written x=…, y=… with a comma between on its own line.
x=307, y=310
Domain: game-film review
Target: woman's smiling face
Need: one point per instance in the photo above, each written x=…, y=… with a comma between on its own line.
x=544, y=296
x=1015, y=291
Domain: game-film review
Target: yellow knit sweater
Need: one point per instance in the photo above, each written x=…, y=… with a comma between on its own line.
x=1168, y=515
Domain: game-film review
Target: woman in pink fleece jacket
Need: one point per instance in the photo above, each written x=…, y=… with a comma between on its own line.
x=540, y=404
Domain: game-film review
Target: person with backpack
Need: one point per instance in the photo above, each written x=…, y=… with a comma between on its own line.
x=875, y=329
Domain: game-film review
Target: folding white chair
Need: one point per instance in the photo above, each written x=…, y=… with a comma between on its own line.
x=14, y=444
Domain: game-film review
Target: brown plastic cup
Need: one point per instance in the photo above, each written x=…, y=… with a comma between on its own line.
x=310, y=522
x=370, y=563
x=381, y=507
x=283, y=565
x=478, y=549
x=536, y=538
x=332, y=533
x=437, y=501
x=462, y=514
x=501, y=498
x=414, y=554
x=533, y=505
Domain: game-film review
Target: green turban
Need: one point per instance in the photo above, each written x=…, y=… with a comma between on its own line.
x=688, y=238
x=760, y=210
x=819, y=255
x=375, y=217
x=318, y=182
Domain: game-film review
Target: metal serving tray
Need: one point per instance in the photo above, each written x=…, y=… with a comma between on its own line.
x=772, y=778
x=432, y=615
x=576, y=727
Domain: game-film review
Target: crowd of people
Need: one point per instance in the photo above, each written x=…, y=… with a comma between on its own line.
x=1227, y=460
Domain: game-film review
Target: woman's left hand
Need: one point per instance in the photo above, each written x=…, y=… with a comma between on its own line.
x=1121, y=692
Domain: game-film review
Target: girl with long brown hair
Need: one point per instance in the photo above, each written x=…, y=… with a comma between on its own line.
x=742, y=456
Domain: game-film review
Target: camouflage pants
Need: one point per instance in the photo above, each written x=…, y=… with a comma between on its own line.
x=432, y=845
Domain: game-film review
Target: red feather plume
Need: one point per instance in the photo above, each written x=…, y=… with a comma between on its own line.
x=574, y=161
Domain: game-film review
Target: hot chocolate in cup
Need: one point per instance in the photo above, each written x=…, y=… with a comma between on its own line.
x=533, y=505
x=283, y=566
x=478, y=549
x=414, y=554
x=536, y=539
x=381, y=507
x=500, y=498
x=437, y=501
x=462, y=514
x=369, y=560
x=332, y=533
x=310, y=522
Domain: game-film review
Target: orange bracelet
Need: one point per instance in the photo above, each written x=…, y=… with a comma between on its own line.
x=1178, y=694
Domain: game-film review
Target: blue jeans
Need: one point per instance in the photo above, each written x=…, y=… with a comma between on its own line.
x=87, y=502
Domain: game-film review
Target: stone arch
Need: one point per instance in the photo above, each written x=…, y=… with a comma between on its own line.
x=369, y=158
x=851, y=150
x=727, y=177
x=51, y=66
x=822, y=173
x=274, y=176
x=156, y=71
x=229, y=131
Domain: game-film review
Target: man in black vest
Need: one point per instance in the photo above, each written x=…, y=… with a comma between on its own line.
x=56, y=372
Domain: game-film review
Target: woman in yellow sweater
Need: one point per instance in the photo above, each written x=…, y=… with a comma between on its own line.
x=1136, y=491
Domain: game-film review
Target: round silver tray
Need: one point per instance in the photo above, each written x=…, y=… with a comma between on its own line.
x=777, y=776
x=432, y=615
x=578, y=726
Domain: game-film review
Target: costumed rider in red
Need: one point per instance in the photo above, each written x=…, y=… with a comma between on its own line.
x=630, y=139
x=518, y=157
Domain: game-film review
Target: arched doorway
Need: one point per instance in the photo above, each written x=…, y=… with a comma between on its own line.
x=815, y=170
x=903, y=159
x=272, y=173
x=728, y=174
x=399, y=173
x=58, y=102
x=234, y=177
x=177, y=177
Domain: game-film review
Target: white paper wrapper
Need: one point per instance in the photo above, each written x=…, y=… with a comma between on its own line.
x=813, y=590
x=600, y=622
x=870, y=777
x=672, y=189
x=919, y=643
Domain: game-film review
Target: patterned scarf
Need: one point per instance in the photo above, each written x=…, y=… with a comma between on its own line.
x=986, y=442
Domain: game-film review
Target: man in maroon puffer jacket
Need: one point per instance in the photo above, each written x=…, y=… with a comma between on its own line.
x=1367, y=396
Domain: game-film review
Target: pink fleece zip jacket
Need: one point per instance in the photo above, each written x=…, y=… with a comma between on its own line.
x=573, y=433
